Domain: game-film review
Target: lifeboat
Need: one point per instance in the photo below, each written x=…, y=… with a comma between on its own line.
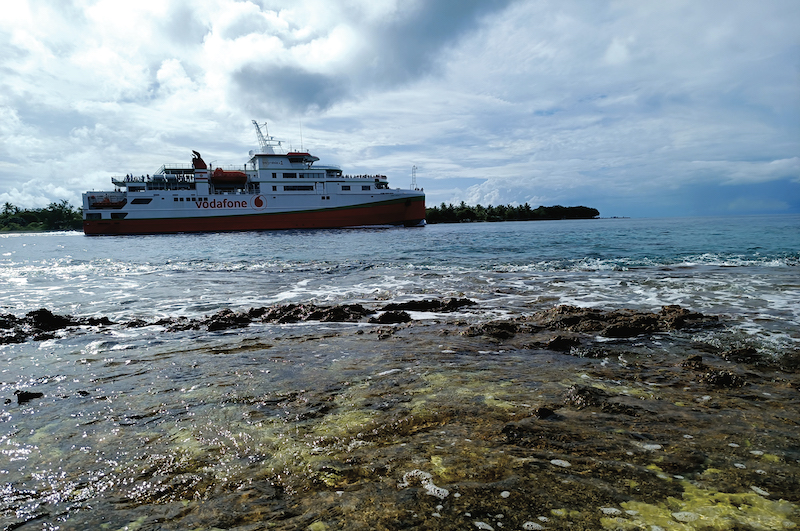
x=223, y=177
x=106, y=202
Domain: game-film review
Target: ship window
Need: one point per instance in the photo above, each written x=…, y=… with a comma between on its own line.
x=346, y=187
x=181, y=199
x=118, y=215
x=274, y=188
x=365, y=187
x=290, y=176
x=141, y=201
x=174, y=198
x=93, y=215
x=301, y=188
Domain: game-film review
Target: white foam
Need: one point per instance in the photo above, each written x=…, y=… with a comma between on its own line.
x=426, y=481
x=650, y=447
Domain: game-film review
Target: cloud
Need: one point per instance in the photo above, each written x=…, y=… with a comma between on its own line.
x=748, y=205
x=285, y=88
x=746, y=172
x=622, y=104
x=310, y=69
x=617, y=52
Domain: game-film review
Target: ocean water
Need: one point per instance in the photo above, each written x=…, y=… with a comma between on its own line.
x=410, y=426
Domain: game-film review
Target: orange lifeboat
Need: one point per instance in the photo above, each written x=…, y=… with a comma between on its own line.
x=221, y=176
x=106, y=202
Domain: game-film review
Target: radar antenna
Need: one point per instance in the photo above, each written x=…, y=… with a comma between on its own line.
x=267, y=143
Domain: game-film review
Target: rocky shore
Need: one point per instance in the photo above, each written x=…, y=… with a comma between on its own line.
x=567, y=417
x=42, y=324
x=564, y=328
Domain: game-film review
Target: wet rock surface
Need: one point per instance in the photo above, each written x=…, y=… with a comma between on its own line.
x=497, y=329
x=714, y=377
x=540, y=419
x=26, y=396
x=41, y=324
x=391, y=317
x=430, y=305
x=582, y=322
x=294, y=313
x=581, y=397
x=620, y=323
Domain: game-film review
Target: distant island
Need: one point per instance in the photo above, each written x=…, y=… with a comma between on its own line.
x=464, y=213
x=56, y=216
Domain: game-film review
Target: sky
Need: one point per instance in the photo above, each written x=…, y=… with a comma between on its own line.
x=640, y=108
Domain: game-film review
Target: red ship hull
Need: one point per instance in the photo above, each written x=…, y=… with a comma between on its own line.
x=409, y=212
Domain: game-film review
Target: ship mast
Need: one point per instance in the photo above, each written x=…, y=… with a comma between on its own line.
x=267, y=142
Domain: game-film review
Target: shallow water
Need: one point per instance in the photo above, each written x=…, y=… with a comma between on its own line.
x=421, y=425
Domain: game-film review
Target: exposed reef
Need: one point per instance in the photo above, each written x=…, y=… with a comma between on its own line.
x=565, y=418
x=623, y=323
x=41, y=325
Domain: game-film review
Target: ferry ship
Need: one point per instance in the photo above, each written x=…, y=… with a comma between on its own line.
x=273, y=190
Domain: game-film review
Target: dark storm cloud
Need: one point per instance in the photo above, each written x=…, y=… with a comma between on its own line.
x=275, y=91
x=412, y=45
x=402, y=49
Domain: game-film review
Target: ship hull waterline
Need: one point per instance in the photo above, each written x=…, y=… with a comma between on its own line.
x=410, y=212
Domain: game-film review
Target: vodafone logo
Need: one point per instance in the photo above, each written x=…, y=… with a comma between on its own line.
x=222, y=203
x=259, y=202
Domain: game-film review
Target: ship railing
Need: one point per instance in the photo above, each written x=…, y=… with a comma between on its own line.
x=369, y=177
x=175, y=166
x=172, y=177
x=233, y=167
x=124, y=180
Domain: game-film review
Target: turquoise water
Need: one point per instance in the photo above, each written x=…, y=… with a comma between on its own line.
x=355, y=425
x=70, y=261
x=744, y=266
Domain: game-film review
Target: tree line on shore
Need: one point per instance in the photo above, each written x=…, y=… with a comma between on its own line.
x=463, y=213
x=55, y=216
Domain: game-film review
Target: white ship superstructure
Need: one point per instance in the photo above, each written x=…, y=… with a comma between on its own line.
x=272, y=190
